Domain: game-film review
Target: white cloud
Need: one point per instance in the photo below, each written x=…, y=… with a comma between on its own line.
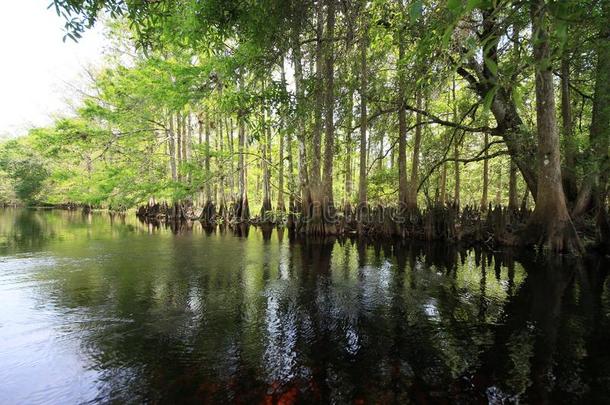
x=36, y=64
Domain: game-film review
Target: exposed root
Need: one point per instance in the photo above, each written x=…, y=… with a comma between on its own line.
x=498, y=226
x=557, y=236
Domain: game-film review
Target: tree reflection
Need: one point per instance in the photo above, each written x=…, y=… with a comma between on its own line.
x=208, y=316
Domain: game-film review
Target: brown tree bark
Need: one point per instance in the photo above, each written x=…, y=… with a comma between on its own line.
x=329, y=110
x=485, y=192
x=221, y=199
x=265, y=144
x=483, y=80
x=291, y=178
x=242, y=211
x=179, y=157
x=456, y=172
x=443, y=185
x=568, y=174
x=313, y=212
x=500, y=187
x=414, y=183
x=600, y=126
x=550, y=224
x=171, y=142
x=362, y=183
x=599, y=133
x=280, y=174
x=231, y=150
x=316, y=139
x=349, y=118
x=187, y=139
x=595, y=188
x=303, y=172
x=456, y=148
x=403, y=189
x=513, y=197
x=208, y=212
x=208, y=190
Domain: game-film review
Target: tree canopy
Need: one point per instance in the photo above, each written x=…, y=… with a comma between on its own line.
x=303, y=109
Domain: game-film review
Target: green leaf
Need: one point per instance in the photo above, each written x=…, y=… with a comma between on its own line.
x=447, y=35
x=518, y=96
x=489, y=98
x=561, y=31
x=492, y=66
x=454, y=6
x=415, y=10
x=472, y=4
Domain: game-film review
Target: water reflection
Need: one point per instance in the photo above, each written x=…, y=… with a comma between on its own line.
x=175, y=312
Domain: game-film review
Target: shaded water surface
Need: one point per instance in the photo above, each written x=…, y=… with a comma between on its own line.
x=106, y=309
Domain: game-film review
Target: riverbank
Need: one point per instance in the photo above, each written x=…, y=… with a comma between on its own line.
x=494, y=227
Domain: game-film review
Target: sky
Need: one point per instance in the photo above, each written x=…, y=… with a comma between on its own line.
x=38, y=71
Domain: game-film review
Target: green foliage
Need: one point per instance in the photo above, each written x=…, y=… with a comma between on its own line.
x=185, y=67
x=27, y=171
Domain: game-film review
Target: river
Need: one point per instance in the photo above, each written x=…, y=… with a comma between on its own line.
x=99, y=308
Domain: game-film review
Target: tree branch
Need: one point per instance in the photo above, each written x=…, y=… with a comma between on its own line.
x=477, y=158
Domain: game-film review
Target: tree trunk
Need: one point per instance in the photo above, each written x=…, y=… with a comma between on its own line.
x=316, y=140
x=519, y=142
x=380, y=153
x=402, y=122
x=266, y=152
x=221, y=200
x=179, y=157
x=208, y=212
x=280, y=174
x=484, y=196
x=500, y=187
x=187, y=138
x=243, y=210
x=315, y=206
x=300, y=127
x=329, y=104
x=600, y=128
x=200, y=159
x=414, y=183
x=456, y=149
x=171, y=142
x=362, y=186
x=231, y=160
x=443, y=185
x=513, y=197
x=208, y=190
x=456, y=172
x=349, y=119
x=550, y=225
x=569, y=176
x=217, y=134
x=291, y=179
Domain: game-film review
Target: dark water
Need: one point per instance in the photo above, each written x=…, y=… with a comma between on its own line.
x=101, y=309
